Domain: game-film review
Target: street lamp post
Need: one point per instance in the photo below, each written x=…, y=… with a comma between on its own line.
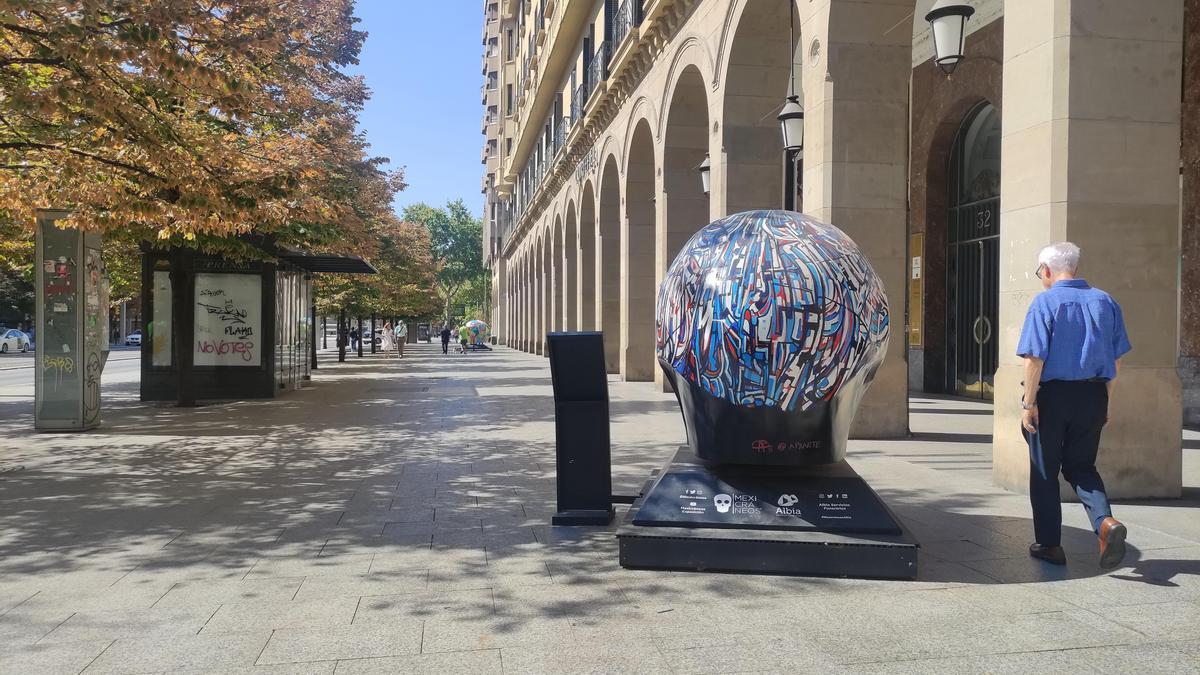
x=948, y=23
x=703, y=168
x=791, y=121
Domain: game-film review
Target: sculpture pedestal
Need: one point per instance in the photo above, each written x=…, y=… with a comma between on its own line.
x=820, y=520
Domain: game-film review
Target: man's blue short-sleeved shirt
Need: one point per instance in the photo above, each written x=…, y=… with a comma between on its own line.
x=1077, y=330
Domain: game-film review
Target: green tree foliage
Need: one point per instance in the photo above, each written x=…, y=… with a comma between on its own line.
x=456, y=241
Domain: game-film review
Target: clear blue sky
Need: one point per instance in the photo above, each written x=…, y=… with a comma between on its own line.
x=421, y=62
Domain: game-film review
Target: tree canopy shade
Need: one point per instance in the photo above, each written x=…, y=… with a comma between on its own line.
x=191, y=122
x=456, y=241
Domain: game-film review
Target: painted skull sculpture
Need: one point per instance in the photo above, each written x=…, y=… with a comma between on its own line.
x=770, y=327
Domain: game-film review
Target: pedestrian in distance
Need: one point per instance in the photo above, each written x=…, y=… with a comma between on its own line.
x=354, y=338
x=1072, y=343
x=401, y=336
x=445, y=339
x=388, y=340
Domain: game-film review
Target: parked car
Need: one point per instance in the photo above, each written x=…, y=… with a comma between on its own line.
x=13, y=340
x=134, y=338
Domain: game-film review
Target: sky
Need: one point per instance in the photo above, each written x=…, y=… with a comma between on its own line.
x=422, y=63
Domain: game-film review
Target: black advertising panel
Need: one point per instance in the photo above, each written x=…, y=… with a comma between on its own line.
x=584, y=463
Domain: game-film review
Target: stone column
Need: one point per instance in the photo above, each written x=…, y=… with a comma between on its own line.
x=856, y=164
x=570, y=291
x=637, y=273
x=1091, y=155
x=1189, y=272
x=543, y=303
x=588, y=256
x=500, y=290
x=524, y=309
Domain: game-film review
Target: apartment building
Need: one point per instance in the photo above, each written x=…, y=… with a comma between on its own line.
x=1063, y=121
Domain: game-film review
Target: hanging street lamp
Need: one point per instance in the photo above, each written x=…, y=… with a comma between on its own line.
x=791, y=120
x=703, y=168
x=948, y=23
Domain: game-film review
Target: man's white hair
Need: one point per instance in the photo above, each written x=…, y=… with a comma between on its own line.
x=1060, y=257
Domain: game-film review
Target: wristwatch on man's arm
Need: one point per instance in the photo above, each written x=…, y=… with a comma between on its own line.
x=1026, y=406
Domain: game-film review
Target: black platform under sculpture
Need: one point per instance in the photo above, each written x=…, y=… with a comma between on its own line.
x=770, y=326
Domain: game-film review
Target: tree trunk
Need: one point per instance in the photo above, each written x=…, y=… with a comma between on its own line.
x=183, y=324
x=360, y=337
x=313, y=339
x=343, y=331
x=372, y=332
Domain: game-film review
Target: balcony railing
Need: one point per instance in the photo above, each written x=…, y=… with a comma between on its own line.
x=560, y=137
x=578, y=100
x=597, y=71
x=628, y=17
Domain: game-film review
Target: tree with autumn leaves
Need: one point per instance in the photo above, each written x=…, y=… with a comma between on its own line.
x=189, y=123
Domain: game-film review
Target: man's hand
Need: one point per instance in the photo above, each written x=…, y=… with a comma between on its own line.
x=1029, y=420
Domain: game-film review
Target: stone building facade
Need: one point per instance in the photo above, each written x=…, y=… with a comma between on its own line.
x=1063, y=122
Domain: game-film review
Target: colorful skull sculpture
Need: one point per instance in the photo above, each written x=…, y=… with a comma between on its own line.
x=475, y=331
x=770, y=325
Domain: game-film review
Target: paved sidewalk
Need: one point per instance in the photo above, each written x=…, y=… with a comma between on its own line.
x=394, y=518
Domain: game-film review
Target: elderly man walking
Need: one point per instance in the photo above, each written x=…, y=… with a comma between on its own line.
x=1072, y=342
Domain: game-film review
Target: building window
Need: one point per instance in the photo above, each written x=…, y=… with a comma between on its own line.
x=510, y=45
x=508, y=100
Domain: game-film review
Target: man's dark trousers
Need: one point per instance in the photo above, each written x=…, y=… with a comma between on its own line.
x=445, y=346
x=1071, y=415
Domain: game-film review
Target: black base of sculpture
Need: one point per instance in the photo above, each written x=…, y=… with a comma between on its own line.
x=822, y=521
x=583, y=517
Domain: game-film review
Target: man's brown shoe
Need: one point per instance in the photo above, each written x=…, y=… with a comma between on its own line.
x=1112, y=543
x=1051, y=554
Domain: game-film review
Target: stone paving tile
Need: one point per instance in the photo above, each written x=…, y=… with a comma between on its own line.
x=557, y=600
x=748, y=653
x=191, y=593
x=96, y=625
x=469, y=604
x=347, y=565
x=1119, y=589
x=479, y=662
x=306, y=668
x=1073, y=661
x=588, y=656
x=70, y=657
x=23, y=625
x=1024, y=569
x=180, y=653
x=973, y=637
x=408, y=558
x=1160, y=621
x=463, y=634
x=121, y=596
x=403, y=581
x=297, y=645
x=250, y=616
